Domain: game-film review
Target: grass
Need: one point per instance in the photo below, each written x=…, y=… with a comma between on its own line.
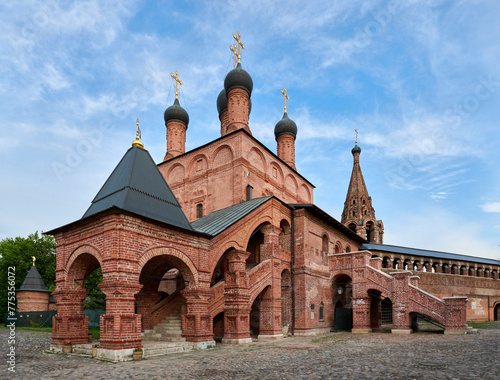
x=485, y=325
x=96, y=334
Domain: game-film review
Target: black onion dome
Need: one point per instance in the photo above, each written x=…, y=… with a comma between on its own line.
x=222, y=102
x=356, y=149
x=176, y=112
x=238, y=78
x=285, y=125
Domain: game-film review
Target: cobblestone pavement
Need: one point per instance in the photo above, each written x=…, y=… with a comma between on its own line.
x=330, y=356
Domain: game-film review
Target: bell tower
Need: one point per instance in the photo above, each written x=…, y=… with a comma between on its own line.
x=359, y=214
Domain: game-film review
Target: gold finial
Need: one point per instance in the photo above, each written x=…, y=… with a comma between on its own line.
x=285, y=96
x=34, y=259
x=137, y=141
x=356, y=143
x=240, y=44
x=233, y=49
x=177, y=83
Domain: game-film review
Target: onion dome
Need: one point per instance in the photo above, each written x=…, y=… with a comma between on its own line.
x=285, y=125
x=356, y=149
x=222, y=102
x=238, y=78
x=176, y=112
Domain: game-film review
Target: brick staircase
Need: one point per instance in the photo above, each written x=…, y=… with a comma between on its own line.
x=169, y=330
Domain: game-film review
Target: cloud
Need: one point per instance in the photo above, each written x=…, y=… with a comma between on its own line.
x=491, y=207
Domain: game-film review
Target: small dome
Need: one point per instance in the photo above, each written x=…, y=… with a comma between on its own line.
x=222, y=102
x=176, y=112
x=238, y=78
x=356, y=149
x=285, y=125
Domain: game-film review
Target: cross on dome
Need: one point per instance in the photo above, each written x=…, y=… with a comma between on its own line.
x=239, y=44
x=177, y=83
x=285, y=96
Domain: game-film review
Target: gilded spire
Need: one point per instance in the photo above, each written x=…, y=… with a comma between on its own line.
x=285, y=96
x=34, y=259
x=356, y=142
x=177, y=83
x=239, y=45
x=137, y=141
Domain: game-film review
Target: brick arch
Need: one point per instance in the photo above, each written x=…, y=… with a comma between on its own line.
x=223, y=155
x=423, y=310
x=280, y=176
x=291, y=184
x=192, y=163
x=259, y=289
x=304, y=193
x=257, y=159
x=338, y=244
x=232, y=244
x=190, y=274
x=86, y=248
x=336, y=274
x=176, y=173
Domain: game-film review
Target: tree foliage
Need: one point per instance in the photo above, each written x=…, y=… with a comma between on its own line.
x=17, y=252
x=96, y=299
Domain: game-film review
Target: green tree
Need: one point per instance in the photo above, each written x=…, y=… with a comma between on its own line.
x=17, y=253
x=96, y=299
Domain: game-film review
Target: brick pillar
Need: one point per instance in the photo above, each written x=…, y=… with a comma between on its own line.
x=361, y=301
x=286, y=148
x=389, y=264
x=120, y=326
x=455, y=315
x=400, y=303
x=419, y=267
x=237, y=300
x=70, y=323
x=176, y=138
x=196, y=321
x=270, y=304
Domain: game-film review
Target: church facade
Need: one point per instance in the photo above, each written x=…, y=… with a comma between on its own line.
x=224, y=242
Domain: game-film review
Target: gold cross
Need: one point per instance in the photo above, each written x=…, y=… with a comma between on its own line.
x=235, y=54
x=356, y=136
x=240, y=44
x=285, y=96
x=177, y=83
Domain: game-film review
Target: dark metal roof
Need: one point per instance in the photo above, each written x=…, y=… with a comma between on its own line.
x=427, y=253
x=136, y=185
x=217, y=221
x=33, y=282
x=315, y=210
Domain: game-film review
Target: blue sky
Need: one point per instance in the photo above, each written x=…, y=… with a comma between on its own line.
x=420, y=81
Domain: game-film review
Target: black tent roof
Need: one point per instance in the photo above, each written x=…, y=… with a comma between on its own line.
x=34, y=282
x=136, y=185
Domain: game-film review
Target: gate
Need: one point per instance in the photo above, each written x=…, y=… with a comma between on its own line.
x=343, y=319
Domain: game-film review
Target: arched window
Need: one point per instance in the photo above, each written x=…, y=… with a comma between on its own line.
x=337, y=248
x=354, y=201
x=199, y=210
x=324, y=246
x=354, y=213
x=347, y=249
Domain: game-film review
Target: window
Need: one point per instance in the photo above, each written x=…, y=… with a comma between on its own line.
x=321, y=311
x=354, y=201
x=324, y=245
x=199, y=210
x=354, y=213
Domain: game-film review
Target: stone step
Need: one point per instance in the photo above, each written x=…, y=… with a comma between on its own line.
x=167, y=330
x=82, y=351
x=165, y=339
x=157, y=351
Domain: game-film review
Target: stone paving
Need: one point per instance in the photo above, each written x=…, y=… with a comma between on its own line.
x=330, y=356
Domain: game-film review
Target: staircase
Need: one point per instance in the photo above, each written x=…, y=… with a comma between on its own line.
x=169, y=330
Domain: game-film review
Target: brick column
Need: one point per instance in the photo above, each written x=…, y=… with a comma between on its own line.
x=120, y=326
x=70, y=323
x=400, y=303
x=237, y=300
x=196, y=321
x=270, y=304
x=455, y=315
x=360, y=300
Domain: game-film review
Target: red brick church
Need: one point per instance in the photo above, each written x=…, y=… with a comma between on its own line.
x=225, y=242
